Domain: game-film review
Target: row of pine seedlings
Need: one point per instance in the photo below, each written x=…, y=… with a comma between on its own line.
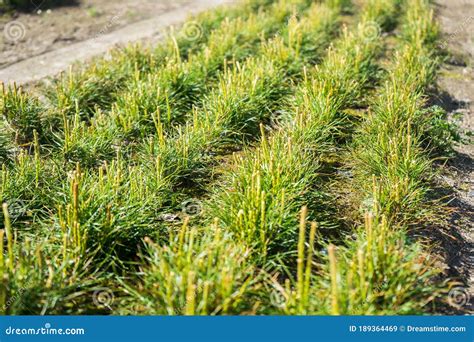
x=249, y=123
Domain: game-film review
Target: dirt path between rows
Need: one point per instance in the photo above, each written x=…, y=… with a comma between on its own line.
x=457, y=96
x=53, y=62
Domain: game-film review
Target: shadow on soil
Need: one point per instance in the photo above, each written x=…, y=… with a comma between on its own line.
x=448, y=237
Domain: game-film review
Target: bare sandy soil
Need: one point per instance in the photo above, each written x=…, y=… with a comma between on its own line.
x=457, y=97
x=23, y=35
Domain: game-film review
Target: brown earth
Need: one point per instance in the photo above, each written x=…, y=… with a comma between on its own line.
x=456, y=84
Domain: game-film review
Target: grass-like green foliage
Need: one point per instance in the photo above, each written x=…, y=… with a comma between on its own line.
x=247, y=95
x=21, y=114
x=111, y=213
x=390, y=146
x=89, y=211
x=380, y=15
x=189, y=276
x=97, y=85
x=440, y=135
x=5, y=149
x=184, y=83
x=244, y=98
x=262, y=194
x=249, y=122
x=375, y=273
x=39, y=276
x=381, y=270
x=90, y=145
x=26, y=185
